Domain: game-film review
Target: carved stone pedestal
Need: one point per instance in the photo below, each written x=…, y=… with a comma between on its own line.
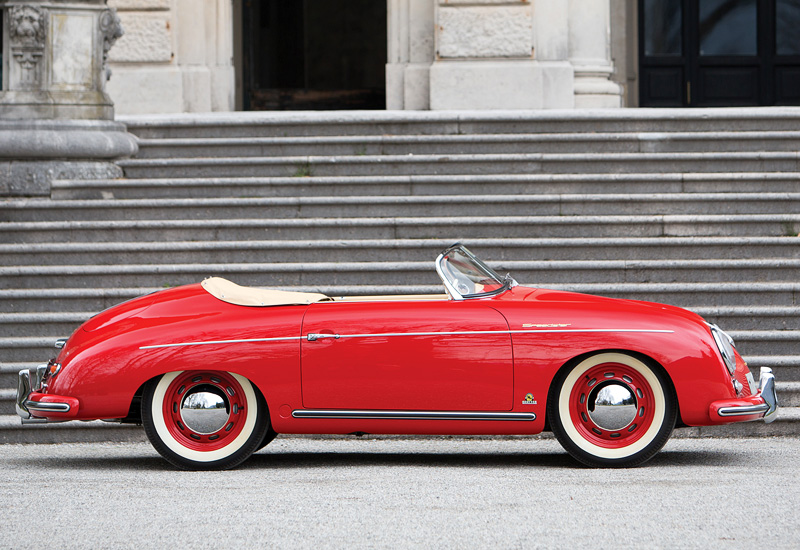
x=56, y=121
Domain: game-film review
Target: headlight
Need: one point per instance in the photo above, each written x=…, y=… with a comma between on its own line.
x=725, y=346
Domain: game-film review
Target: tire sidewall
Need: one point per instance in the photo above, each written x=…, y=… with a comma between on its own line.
x=639, y=451
x=255, y=427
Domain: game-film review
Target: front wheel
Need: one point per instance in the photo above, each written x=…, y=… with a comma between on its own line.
x=612, y=410
x=204, y=420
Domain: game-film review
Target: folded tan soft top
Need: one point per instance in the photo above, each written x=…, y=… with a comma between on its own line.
x=232, y=293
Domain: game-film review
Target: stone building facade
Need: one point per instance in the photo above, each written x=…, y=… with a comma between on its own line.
x=175, y=56
x=188, y=55
x=223, y=55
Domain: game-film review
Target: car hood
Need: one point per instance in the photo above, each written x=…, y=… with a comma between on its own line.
x=561, y=304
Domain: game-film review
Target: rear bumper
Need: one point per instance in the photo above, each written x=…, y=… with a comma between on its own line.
x=35, y=407
x=763, y=405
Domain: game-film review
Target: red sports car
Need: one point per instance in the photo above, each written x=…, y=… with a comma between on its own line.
x=215, y=370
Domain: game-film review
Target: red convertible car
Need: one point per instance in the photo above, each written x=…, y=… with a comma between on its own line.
x=215, y=370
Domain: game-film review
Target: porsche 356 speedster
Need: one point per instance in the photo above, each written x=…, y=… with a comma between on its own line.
x=214, y=371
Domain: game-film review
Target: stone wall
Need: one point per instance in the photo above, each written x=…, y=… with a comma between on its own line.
x=500, y=54
x=176, y=56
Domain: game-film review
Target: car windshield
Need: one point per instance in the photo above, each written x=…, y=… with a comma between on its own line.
x=465, y=276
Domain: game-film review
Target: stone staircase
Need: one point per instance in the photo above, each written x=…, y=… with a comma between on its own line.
x=698, y=208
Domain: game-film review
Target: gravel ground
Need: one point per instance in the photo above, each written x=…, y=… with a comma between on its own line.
x=397, y=493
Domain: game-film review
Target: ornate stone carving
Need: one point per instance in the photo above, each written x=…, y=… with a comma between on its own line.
x=111, y=29
x=27, y=26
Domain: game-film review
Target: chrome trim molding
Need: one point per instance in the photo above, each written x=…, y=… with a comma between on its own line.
x=210, y=342
x=335, y=414
x=60, y=343
x=23, y=391
x=28, y=382
x=46, y=407
x=313, y=337
x=743, y=411
x=454, y=294
x=766, y=388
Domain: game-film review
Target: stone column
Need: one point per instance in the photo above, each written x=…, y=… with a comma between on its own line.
x=590, y=54
x=501, y=54
x=551, y=50
x=176, y=56
x=484, y=56
x=56, y=121
x=410, y=51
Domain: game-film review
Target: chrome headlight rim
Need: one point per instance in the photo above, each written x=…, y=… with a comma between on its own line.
x=726, y=347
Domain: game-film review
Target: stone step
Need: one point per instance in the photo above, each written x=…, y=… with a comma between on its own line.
x=27, y=349
x=461, y=228
x=397, y=273
x=784, y=368
x=732, y=318
x=426, y=164
x=12, y=431
x=9, y=373
x=361, y=250
x=788, y=396
x=746, y=318
x=446, y=185
x=558, y=143
x=787, y=424
x=49, y=300
x=687, y=295
x=398, y=206
x=769, y=342
x=749, y=342
x=360, y=123
x=19, y=349
x=7, y=400
x=30, y=323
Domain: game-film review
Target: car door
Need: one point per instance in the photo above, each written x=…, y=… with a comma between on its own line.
x=401, y=355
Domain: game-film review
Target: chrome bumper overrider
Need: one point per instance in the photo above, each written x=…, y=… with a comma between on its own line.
x=767, y=394
x=30, y=380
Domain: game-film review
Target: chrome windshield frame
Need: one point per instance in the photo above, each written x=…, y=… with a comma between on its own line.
x=506, y=283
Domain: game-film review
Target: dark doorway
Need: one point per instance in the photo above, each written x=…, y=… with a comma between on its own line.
x=314, y=54
x=717, y=53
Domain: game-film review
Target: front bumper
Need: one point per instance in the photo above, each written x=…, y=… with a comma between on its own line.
x=35, y=407
x=763, y=405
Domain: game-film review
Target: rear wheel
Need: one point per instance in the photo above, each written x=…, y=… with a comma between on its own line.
x=204, y=420
x=612, y=410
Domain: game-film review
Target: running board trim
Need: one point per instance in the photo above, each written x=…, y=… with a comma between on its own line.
x=340, y=414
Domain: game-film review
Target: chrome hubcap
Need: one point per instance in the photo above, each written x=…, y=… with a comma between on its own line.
x=612, y=406
x=204, y=410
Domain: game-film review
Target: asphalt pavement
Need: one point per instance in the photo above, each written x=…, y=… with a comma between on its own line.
x=403, y=493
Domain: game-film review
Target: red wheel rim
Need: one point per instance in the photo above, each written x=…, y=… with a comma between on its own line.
x=580, y=402
x=220, y=383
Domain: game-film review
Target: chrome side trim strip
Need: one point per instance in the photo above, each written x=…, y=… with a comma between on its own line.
x=209, y=342
x=743, y=411
x=648, y=330
x=410, y=415
x=311, y=337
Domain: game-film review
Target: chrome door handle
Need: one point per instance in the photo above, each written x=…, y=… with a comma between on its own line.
x=312, y=337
